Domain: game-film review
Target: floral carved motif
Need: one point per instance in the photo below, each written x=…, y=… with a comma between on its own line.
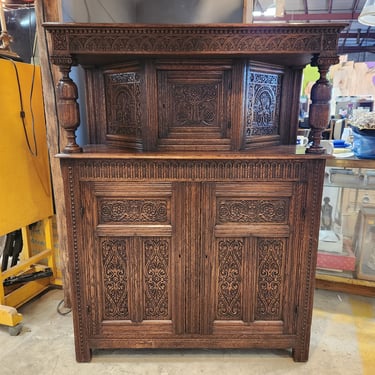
x=133, y=211
x=230, y=279
x=263, y=103
x=270, y=271
x=115, y=278
x=252, y=211
x=156, y=278
x=123, y=93
x=195, y=104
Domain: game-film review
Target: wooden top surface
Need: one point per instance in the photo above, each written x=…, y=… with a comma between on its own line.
x=273, y=152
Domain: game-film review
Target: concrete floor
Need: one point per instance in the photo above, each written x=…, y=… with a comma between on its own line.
x=342, y=342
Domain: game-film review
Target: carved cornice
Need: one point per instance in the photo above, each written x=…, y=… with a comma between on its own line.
x=226, y=39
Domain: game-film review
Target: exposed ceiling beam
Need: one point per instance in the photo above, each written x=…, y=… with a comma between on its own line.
x=330, y=6
x=346, y=50
x=305, y=7
x=356, y=35
x=310, y=17
x=355, y=5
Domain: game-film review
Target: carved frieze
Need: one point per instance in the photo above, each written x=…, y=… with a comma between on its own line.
x=133, y=211
x=156, y=278
x=208, y=170
x=252, y=211
x=168, y=39
x=230, y=278
x=270, y=279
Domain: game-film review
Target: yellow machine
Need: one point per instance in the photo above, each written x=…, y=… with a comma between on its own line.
x=25, y=186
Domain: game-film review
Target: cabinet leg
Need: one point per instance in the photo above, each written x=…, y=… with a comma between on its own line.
x=84, y=355
x=300, y=354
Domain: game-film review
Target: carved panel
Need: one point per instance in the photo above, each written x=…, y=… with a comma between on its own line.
x=115, y=278
x=156, y=278
x=194, y=105
x=262, y=102
x=123, y=103
x=193, y=101
x=230, y=278
x=133, y=211
x=252, y=211
x=270, y=270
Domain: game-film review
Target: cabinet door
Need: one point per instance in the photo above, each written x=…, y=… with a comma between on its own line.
x=129, y=273
x=253, y=252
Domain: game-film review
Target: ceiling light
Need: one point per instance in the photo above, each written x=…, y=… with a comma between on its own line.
x=367, y=16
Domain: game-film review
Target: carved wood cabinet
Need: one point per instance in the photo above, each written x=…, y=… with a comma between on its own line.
x=192, y=223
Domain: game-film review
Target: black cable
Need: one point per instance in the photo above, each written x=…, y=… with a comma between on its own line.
x=106, y=10
x=62, y=312
x=88, y=11
x=23, y=114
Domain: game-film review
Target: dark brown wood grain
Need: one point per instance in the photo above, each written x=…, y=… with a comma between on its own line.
x=192, y=221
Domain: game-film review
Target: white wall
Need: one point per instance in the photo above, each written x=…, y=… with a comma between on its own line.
x=99, y=10
x=153, y=11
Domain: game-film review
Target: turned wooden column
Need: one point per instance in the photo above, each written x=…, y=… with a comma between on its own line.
x=319, y=112
x=67, y=106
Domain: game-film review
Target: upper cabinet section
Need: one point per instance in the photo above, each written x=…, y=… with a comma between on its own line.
x=217, y=87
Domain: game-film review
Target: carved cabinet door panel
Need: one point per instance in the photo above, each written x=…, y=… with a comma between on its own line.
x=129, y=260
x=253, y=249
x=190, y=258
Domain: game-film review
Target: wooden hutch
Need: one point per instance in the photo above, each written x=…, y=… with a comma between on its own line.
x=192, y=221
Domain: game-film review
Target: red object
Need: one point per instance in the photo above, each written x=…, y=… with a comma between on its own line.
x=18, y=2
x=337, y=261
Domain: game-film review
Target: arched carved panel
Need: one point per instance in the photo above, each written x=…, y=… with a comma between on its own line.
x=262, y=102
x=123, y=93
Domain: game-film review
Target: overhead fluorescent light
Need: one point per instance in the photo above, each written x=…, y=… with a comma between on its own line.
x=367, y=16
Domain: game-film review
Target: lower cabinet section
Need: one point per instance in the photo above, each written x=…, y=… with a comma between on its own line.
x=186, y=254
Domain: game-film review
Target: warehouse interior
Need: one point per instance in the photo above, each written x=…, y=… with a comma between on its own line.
x=36, y=318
